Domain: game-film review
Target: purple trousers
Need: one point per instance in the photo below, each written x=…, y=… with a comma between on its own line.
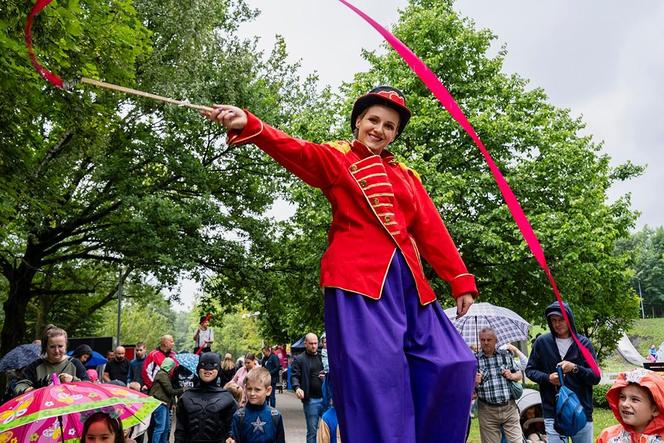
x=400, y=371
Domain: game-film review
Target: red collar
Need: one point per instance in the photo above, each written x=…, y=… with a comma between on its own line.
x=363, y=152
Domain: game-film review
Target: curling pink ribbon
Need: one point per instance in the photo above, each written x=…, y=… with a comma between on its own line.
x=48, y=75
x=445, y=98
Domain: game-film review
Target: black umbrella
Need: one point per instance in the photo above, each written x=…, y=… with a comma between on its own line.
x=20, y=357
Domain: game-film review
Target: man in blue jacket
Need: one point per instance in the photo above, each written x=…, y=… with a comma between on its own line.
x=559, y=349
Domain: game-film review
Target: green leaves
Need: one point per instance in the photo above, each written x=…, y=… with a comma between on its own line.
x=97, y=177
x=560, y=177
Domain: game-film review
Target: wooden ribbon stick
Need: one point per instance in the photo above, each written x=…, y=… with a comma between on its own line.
x=123, y=89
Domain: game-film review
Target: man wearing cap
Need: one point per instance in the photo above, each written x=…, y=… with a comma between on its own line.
x=376, y=294
x=554, y=349
x=205, y=412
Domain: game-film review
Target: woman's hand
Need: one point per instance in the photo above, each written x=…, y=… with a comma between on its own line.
x=66, y=378
x=230, y=117
x=463, y=304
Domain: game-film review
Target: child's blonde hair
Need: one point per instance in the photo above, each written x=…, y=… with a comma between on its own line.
x=235, y=390
x=259, y=375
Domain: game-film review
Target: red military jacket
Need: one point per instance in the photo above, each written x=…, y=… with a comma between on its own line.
x=378, y=206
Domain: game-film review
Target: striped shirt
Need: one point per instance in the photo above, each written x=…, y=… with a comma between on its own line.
x=494, y=388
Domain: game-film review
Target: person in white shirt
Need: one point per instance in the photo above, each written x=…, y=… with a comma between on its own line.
x=204, y=336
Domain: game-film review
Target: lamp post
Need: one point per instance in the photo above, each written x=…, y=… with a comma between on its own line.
x=119, y=291
x=643, y=314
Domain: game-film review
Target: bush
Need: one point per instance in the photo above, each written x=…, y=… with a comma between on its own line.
x=599, y=396
x=534, y=386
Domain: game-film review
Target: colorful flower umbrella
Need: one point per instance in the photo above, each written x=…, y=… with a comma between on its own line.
x=20, y=357
x=53, y=413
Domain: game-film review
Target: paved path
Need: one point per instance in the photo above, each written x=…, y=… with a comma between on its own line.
x=291, y=409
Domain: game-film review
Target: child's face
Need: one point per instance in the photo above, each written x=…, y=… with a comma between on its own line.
x=635, y=407
x=531, y=412
x=257, y=392
x=98, y=432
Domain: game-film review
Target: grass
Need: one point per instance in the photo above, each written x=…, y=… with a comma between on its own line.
x=602, y=418
x=646, y=332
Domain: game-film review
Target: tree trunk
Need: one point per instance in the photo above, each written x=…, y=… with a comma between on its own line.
x=15, y=307
x=13, y=330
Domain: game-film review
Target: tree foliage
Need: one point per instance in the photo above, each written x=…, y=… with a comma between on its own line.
x=646, y=248
x=92, y=178
x=560, y=177
x=145, y=316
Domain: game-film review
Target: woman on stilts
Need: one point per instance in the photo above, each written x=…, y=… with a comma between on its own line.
x=401, y=371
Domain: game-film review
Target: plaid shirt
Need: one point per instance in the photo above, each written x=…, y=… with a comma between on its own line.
x=494, y=388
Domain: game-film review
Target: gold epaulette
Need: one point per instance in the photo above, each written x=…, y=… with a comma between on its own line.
x=414, y=172
x=342, y=146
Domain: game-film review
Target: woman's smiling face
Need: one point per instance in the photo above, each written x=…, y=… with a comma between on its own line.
x=377, y=127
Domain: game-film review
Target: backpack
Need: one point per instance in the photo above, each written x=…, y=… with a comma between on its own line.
x=570, y=417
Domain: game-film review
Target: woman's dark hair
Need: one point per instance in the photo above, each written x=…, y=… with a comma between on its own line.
x=250, y=356
x=113, y=424
x=51, y=331
x=82, y=350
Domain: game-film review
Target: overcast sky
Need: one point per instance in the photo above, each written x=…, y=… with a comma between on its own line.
x=603, y=59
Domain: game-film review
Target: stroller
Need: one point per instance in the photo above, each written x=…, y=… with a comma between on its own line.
x=530, y=412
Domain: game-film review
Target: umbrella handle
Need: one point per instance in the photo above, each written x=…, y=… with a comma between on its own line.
x=62, y=430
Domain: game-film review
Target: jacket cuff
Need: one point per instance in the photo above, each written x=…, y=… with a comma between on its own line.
x=253, y=127
x=463, y=284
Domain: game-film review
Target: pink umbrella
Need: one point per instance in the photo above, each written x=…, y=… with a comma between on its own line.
x=53, y=413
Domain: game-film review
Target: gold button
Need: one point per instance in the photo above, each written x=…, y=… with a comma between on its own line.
x=353, y=168
x=376, y=201
x=363, y=183
x=387, y=219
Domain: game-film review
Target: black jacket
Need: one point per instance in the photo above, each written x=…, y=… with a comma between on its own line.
x=204, y=414
x=544, y=358
x=226, y=375
x=271, y=363
x=300, y=372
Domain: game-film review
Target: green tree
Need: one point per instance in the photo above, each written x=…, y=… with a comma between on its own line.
x=560, y=177
x=97, y=177
x=144, y=317
x=646, y=247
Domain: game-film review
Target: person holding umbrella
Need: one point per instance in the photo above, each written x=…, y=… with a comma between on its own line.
x=58, y=412
x=55, y=361
x=376, y=294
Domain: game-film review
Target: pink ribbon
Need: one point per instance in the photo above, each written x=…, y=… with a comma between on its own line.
x=48, y=75
x=445, y=98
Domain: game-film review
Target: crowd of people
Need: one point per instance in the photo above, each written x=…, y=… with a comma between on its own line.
x=395, y=367
x=228, y=401
x=222, y=401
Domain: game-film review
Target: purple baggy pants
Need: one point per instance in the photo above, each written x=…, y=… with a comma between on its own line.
x=400, y=371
